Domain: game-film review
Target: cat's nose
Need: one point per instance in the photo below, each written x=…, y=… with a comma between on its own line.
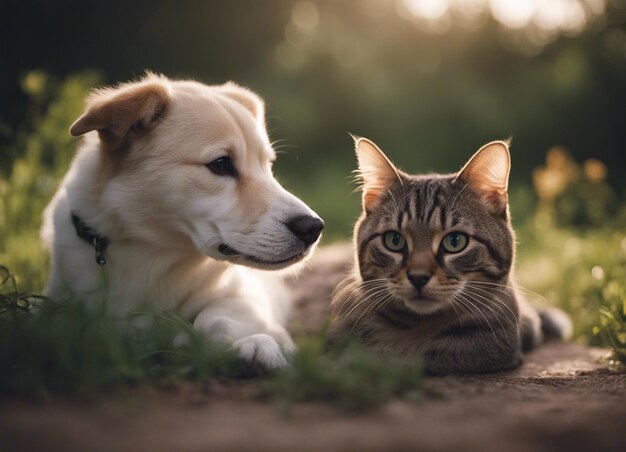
x=307, y=228
x=419, y=280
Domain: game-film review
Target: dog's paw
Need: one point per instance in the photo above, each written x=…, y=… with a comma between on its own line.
x=261, y=350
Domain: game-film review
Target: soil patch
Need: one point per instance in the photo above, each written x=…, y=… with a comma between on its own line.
x=562, y=398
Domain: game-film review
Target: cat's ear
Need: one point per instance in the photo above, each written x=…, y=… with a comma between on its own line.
x=487, y=173
x=377, y=172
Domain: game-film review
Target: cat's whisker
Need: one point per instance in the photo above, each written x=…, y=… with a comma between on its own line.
x=507, y=286
x=378, y=296
x=346, y=288
x=499, y=287
x=342, y=301
x=373, y=301
x=376, y=306
x=485, y=304
x=468, y=309
x=499, y=303
x=502, y=288
x=471, y=289
x=384, y=302
x=496, y=299
x=351, y=286
x=379, y=302
x=387, y=302
x=487, y=286
x=351, y=307
x=464, y=306
x=534, y=294
x=510, y=315
x=528, y=291
x=478, y=311
x=452, y=304
x=366, y=296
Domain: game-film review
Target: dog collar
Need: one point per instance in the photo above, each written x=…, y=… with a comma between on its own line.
x=92, y=237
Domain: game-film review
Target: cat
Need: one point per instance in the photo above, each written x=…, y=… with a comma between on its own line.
x=434, y=268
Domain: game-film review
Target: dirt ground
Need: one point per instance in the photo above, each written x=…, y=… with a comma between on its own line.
x=563, y=398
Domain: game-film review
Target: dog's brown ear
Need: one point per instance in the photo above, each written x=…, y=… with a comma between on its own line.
x=250, y=100
x=116, y=113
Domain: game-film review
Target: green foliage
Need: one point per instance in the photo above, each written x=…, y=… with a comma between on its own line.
x=347, y=375
x=36, y=161
x=74, y=347
x=571, y=194
x=573, y=248
x=609, y=291
x=583, y=272
x=612, y=328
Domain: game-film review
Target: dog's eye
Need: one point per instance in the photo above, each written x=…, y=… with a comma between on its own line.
x=222, y=166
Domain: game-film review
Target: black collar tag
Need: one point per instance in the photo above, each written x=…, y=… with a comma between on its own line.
x=91, y=236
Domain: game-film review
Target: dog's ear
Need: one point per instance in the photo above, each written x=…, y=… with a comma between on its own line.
x=377, y=172
x=130, y=109
x=250, y=100
x=487, y=173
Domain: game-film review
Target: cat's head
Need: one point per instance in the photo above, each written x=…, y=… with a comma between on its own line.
x=430, y=241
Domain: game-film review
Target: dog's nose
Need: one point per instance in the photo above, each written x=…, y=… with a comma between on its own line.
x=419, y=280
x=306, y=228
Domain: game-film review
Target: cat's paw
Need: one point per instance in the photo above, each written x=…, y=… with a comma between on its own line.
x=261, y=350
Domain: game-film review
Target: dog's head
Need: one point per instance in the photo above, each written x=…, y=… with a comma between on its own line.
x=186, y=164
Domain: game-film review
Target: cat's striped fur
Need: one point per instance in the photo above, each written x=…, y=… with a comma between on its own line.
x=460, y=310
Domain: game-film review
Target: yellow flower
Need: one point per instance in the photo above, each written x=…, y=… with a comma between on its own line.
x=34, y=82
x=558, y=173
x=595, y=171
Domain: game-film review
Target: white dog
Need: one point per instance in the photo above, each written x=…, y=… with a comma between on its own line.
x=169, y=201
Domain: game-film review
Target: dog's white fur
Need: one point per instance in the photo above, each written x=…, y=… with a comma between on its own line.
x=140, y=179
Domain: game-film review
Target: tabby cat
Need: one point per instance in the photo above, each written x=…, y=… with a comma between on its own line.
x=434, y=268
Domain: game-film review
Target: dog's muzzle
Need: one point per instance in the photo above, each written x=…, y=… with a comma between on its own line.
x=307, y=228
x=227, y=250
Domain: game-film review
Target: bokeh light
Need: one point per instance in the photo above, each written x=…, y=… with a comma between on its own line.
x=428, y=9
x=541, y=20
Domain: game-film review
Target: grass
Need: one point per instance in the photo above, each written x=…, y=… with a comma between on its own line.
x=584, y=273
x=572, y=251
x=346, y=376
x=71, y=347
x=42, y=151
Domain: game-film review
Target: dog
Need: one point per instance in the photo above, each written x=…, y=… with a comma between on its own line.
x=170, y=202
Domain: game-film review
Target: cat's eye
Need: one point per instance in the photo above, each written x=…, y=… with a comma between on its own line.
x=222, y=166
x=394, y=241
x=455, y=242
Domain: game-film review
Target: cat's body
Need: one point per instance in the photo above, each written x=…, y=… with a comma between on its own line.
x=434, y=268
x=461, y=341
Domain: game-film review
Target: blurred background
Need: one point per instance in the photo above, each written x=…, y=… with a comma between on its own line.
x=429, y=80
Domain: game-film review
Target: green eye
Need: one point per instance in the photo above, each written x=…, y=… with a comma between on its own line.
x=394, y=241
x=455, y=242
